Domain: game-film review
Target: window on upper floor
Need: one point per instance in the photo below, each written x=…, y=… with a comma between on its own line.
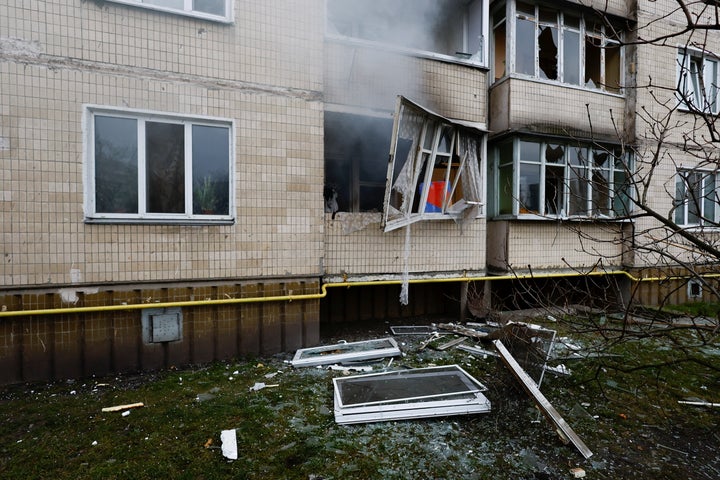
x=449, y=28
x=434, y=168
x=555, y=179
x=157, y=168
x=356, y=154
x=696, y=198
x=697, y=88
x=219, y=10
x=554, y=44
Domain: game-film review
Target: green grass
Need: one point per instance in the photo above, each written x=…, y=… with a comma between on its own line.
x=624, y=407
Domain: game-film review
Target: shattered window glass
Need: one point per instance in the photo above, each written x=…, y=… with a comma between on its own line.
x=434, y=168
x=557, y=179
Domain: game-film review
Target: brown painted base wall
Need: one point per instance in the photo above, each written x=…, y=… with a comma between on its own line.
x=62, y=346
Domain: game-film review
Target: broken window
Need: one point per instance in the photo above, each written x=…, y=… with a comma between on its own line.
x=557, y=179
x=208, y=9
x=356, y=153
x=453, y=28
x=346, y=352
x=555, y=45
x=143, y=167
x=434, y=168
x=697, y=81
x=407, y=394
x=696, y=198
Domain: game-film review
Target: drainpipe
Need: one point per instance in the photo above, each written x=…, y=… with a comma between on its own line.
x=323, y=292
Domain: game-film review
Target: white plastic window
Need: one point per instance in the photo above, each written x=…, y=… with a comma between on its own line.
x=153, y=167
x=218, y=10
x=697, y=87
x=696, y=198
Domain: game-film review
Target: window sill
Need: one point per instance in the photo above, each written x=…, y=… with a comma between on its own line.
x=571, y=219
x=198, y=15
x=555, y=83
x=159, y=221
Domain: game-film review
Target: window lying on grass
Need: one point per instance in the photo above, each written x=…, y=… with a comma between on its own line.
x=557, y=179
x=157, y=168
x=453, y=28
x=696, y=198
x=346, y=352
x=407, y=394
x=434, y=168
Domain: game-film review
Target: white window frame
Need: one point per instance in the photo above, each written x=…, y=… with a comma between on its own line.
x=187, y=9
x=142, y=215
x=708, y=190
x=588, y=168
x=407, y=191
x=346, y=352
x=604, y=36
x=698, y=75
x=443, y=401
x=479, y=58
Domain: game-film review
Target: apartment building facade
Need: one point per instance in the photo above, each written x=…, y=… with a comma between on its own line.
x=192, y=180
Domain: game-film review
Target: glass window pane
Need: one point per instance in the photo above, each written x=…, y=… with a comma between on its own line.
x=612, y=68
x=554, y=190
x=211, y=170
x=429, y=135
x=116, y=165
x=621, y=199
x=446, y=139
x=571, y=57
x=213, y=7
x=548, y=52
x=571, y=21
x=525, y=47
x=578, y=184
x=680, y=199
x=176, y=4
x=529, y=151
x=600, y=192
x=592, y=62
x=710, y=199
x=547, y=16
x=529, y=188
x=505, y=182
x=526, y=8
x=165, y=164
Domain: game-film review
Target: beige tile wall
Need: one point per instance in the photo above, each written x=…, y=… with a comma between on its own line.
x=265, y=73
x=434, y=246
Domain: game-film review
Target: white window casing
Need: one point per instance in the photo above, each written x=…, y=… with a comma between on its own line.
x=697, y=84
x=156, y=167
x=214, y=10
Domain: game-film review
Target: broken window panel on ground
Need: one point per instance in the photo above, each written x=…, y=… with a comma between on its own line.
x=346, y=352
x=556, y=179
x=552, y=44
x=356, y=153
x=453, y=28
x=408, y=394
x=434, y=168
x=157, y=168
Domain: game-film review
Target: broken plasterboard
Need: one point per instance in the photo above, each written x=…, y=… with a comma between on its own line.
x=408, y=394
x=563, y=429
x=346, y=352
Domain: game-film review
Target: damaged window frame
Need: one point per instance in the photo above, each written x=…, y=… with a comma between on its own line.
x=456, y=152
x=697, y=198
x=128, y=182
x=346, y=352
x=467, y=400
x=698, y=79
x=185, y=7
x=574, y=37
x=374, y=24
x=595, y=181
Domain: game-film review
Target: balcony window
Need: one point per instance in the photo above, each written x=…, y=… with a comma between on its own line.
x=551, y=44
x=556, y=179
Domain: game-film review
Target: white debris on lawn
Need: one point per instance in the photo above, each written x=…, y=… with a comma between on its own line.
x=229, y=444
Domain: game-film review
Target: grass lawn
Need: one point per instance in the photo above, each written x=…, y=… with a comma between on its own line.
x=623, y=404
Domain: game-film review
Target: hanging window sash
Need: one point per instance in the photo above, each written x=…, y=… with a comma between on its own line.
x=434, y=168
